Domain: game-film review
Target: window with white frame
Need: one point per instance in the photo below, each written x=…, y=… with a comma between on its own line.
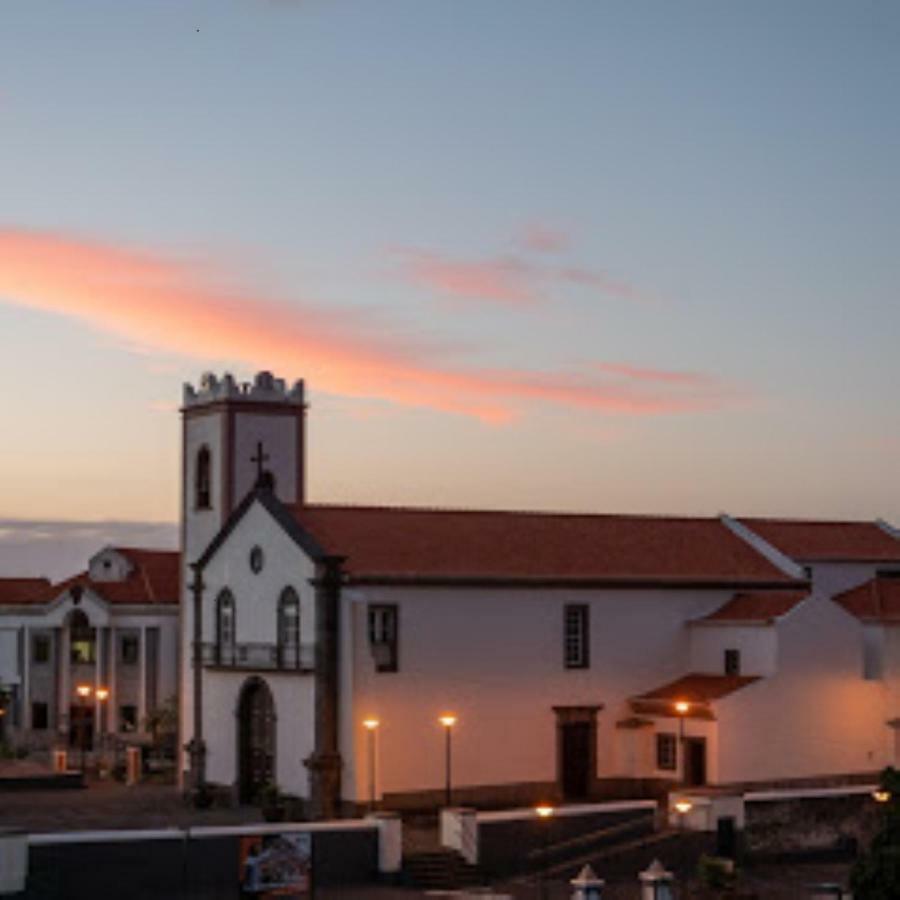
x=576, y=636
x=666, y=752
x=383, y=636
x=225, y=627
x=289, y=628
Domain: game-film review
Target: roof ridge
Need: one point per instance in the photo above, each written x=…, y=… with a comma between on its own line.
x=461, y=510
x=793, y=520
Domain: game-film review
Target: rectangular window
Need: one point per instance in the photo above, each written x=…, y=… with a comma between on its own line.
x=129, y=649
x=383, y=636
x=40, y=649
x=666, y=752
x=128, y=718
x=576, y=636
x=39, y=716
x=732, y=662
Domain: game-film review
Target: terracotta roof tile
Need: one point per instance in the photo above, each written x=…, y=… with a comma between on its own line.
x=837, y=541
x=492, y=545
x=154, y=579
x=876, y=600
x=696, y=688
x=756, y=606
x=20, y=590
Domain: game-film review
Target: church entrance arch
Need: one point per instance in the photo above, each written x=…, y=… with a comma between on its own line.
x=256, y=739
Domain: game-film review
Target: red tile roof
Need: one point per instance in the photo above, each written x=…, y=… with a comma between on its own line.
x=823, y=541
x=153, y=579
x=698, y=688
x=422, y=544
x=19, y=590
x=756, y=606
x=877, y=600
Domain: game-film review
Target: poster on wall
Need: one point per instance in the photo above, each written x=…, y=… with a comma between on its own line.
x=276, y=865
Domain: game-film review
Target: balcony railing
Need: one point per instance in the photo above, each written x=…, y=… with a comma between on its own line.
x=270, y=657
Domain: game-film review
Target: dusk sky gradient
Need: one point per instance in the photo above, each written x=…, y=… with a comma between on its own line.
x=617, y=257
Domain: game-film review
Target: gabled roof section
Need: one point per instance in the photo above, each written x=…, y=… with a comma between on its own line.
x=815, y=541
x=152, y=580
x=404, y=545
x=754, y=608
x=876, y=600
x=282, y=515
x=22, y=590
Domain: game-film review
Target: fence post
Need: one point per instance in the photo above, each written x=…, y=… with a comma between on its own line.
x=390, y=841
x=656, y=882
x=587, y=885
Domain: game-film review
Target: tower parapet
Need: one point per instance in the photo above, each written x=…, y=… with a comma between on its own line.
x=264, y=388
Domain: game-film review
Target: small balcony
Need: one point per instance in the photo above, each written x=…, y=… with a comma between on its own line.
x=258, y=657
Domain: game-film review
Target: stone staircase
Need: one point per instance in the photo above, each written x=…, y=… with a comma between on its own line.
x=441, y=869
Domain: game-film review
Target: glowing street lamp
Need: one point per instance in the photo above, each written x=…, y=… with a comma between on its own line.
x=83, y=691
x=682, y=708
x=881, y=796
x=544, y=813
x=682, y=806
x=448, y=721
x=371, y=725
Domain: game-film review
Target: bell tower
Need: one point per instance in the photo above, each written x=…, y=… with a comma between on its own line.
x=231, y=433
x=234, y=435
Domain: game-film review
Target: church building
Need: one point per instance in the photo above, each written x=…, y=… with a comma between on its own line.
x=400, y=656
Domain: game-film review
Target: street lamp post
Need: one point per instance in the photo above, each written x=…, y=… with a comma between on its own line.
x=83, y=691
x=448, y=722
x=682, y=707
x=371, y=725
x=102, y=695
x=544, y=814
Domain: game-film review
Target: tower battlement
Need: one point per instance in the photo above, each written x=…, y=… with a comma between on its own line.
x=264, y=388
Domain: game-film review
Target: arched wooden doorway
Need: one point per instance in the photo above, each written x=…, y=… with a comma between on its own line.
x=256, y=739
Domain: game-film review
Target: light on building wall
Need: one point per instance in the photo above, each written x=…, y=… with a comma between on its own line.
x=371, y=725
x=881, y=796
x=102, y=694
x=83, y=691
x=544, y=811
x=683, y=807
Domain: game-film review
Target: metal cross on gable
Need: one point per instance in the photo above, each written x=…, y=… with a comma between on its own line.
x=260, y=459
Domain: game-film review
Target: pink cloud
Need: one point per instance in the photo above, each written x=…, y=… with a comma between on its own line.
x=662, y=376
x=172, y=307
x=506, y=281
x=542, y=239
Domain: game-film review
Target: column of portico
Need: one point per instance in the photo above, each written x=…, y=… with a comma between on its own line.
x=99, y=637
x=142, y=698
x=111, y=704
x=64, y=695
x=25, y=680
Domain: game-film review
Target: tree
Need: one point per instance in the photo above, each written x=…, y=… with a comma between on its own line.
x=162, y=723
x=876, y=874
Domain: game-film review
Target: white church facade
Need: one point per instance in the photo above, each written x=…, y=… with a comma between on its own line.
x=570, y=656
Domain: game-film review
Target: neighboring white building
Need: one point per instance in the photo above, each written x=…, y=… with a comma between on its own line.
x=114, y=626
x=580, y=655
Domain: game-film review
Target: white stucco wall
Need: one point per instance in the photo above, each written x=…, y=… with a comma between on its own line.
x=817, y=716
x=758, y=646
x=494, y=657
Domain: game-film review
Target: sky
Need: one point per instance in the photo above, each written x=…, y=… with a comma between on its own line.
x=584, y=255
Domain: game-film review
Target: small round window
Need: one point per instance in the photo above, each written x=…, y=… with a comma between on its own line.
x=257, y=559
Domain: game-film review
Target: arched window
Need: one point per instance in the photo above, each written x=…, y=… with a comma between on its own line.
x=289, y=629
x=203, y=479
x=225, y=628
x=82, y=638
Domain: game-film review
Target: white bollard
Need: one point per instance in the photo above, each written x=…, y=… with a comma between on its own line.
x=390, y=841
x=13, y=860
x=459, y=831
x=587, y=885
x=656, y=882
